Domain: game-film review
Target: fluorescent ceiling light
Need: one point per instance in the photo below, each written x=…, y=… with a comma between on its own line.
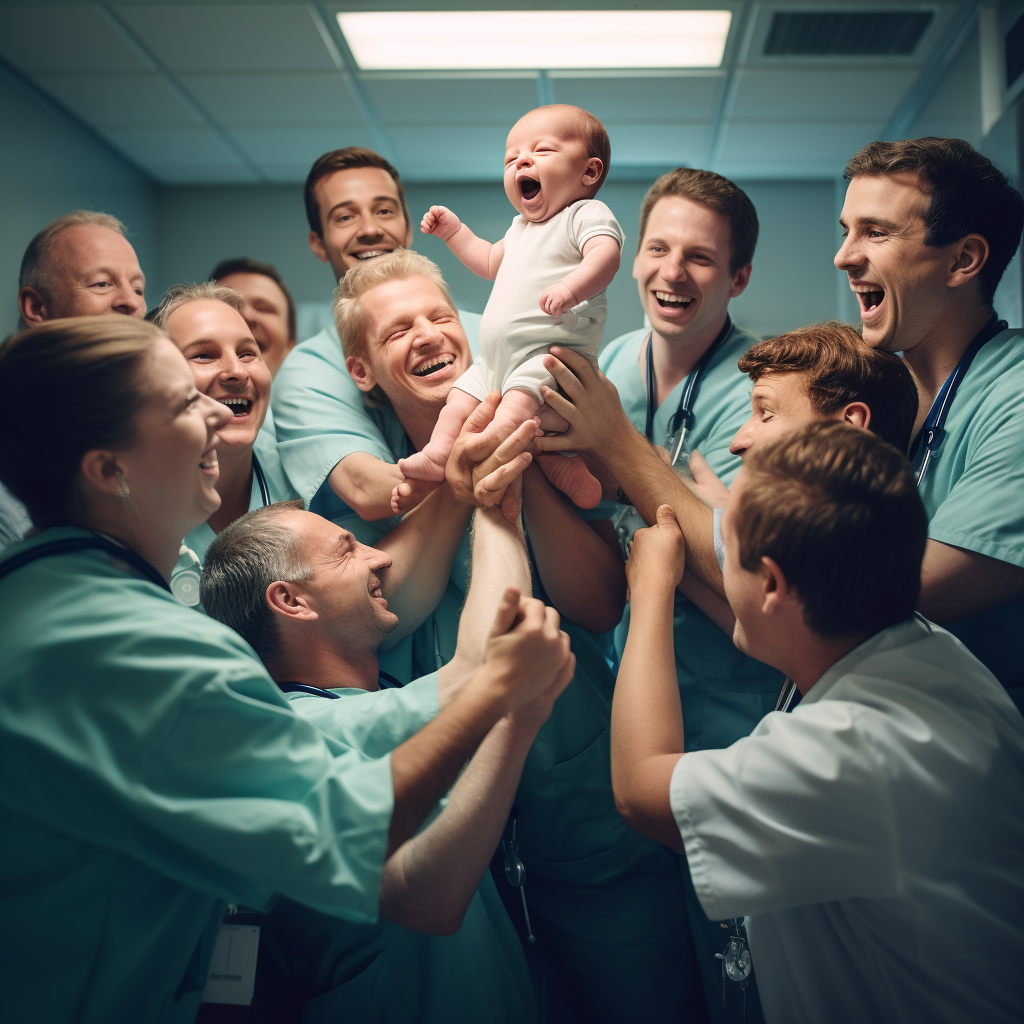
x=479, y=40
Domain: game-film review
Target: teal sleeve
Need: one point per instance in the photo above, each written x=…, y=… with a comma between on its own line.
x=984, y=510
x=373, y=722
x=320, y=415
x=135, y=726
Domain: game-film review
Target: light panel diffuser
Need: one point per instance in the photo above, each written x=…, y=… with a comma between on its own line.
x=509, y=40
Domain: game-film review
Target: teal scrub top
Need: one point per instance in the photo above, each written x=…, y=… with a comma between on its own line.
x=973, y=492
x=327, y=970
x=724, y=693
x=155, y=773
x=321, y=417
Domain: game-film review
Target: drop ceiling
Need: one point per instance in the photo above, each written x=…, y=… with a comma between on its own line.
x=254, y=92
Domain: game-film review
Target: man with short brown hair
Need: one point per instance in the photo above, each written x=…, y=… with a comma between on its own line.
x=931, y=226
x=872, y=837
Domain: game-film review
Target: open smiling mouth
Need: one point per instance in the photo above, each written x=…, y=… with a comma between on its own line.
x=432, y=367
x=870, y=299
x=529, y=187
x=371, y=254
x=239, y=406
x=669, y=301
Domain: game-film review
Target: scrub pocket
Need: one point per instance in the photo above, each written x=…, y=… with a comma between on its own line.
x=362, y=999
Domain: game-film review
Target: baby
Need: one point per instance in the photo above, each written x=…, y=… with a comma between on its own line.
x=550, y=273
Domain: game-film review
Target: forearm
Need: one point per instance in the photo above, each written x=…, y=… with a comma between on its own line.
x=424, y=767
x=365, y=483
x=499, y=561
x=647, y=736
x=428, y=883
x=957, y=583
x=422, y=548
x=714, y=607
x=596, y=270
x=649, y=483
x=582, y=574
x=475, y=253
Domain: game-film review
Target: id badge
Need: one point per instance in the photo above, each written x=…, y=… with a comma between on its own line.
x=232, y=975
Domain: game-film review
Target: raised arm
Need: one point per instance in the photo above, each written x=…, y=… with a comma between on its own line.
x=578, y=562
x=526, y=654
x=647, y=716
x=598, y=426
x=479, y=255
x=422, y=549
x=428, y=883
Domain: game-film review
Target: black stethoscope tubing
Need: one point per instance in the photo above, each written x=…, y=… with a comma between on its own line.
x=684, y=412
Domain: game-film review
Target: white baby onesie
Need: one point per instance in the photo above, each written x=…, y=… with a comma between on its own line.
x=515, y=333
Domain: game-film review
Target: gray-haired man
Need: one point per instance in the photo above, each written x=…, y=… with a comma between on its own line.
x=306, y=595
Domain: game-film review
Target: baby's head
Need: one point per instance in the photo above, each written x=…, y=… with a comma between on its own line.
x=554, y=156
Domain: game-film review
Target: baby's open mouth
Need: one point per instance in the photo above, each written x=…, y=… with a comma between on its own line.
x=529, y=187
x=239, y=406
x=432, y=367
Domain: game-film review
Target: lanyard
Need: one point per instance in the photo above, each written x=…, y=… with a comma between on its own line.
x=933, y=432
x=257, y=470
x=384, y=682
x=683, y=416
x=69, y=544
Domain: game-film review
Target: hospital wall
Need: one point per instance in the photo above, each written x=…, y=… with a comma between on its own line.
x=793, y=281
x=50, y=164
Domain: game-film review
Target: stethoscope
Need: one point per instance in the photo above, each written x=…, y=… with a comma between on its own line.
x=933, y=432
x=682, y=419
x=93, y=541
x=385, y=681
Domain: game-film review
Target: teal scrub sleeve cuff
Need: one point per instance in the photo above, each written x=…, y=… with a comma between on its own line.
x=309, y=461
x=1012, y=553
x=716, y=514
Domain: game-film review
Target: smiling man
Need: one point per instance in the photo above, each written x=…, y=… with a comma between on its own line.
x=931, y=226
x=698, y=231
x=80, y=264
x=330, y=444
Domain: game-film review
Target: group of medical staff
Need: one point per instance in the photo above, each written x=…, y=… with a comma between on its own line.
x=192, y=764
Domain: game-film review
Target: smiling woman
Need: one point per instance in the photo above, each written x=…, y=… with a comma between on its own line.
x=205, y=322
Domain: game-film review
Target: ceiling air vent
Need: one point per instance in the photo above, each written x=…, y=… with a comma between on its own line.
x=845, y=33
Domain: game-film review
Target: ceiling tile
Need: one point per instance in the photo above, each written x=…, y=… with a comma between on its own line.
x=64, y=40
x=796, y=94
x=119, y=101
x=220, y=38
x=405, y=101
x=180, y=154
x=825, y=147
x=283, y=99
x=689, y=98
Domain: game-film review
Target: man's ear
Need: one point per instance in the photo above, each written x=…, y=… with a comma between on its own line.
x=359, y=370
x=592, y=175
x=316, y=243
x=288, y=600
x=32, y=306
x=776, y=590
x=970, y=255
x=101, y=471
x=858, y=414
x=740, y=280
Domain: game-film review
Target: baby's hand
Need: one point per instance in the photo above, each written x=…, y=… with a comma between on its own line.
x=440, y=221
x=557, y=299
